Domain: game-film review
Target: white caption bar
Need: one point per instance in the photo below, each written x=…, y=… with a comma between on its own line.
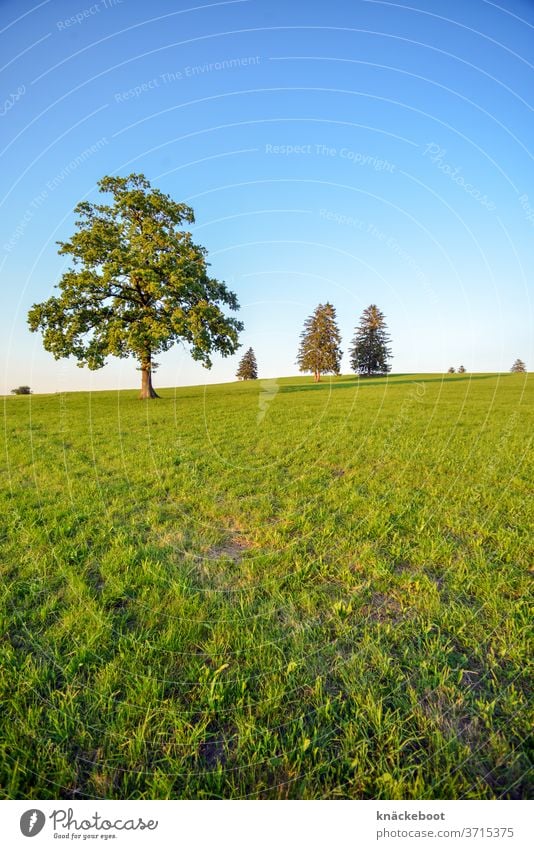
x=268, y=824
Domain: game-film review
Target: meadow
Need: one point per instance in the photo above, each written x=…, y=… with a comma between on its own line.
x=269, y=590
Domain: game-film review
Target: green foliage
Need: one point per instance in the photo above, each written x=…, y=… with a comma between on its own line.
x=21, y=390
x=370, y=353
x=138, y=284
x=334, y=604
x=319, y=350
x=248, y=367
x=519, y=367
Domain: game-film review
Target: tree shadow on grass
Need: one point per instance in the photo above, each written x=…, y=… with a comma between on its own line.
x=360, y=382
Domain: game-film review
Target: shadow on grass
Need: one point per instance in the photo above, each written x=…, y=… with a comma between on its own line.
x=359, y=382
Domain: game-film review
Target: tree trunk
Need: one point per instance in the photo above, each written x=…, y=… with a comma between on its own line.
x=317, y=376
x=147, y=390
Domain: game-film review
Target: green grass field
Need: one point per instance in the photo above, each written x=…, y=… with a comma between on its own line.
x=269, y=590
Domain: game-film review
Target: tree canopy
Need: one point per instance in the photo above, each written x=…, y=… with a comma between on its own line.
x=138, y=284
x=370, y=353
x=519, y=367
x=319, y=350
x=248, y=367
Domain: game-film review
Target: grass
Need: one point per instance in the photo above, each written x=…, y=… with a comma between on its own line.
x=268, y=590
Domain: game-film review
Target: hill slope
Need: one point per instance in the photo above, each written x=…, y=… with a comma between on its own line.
x=268, y=589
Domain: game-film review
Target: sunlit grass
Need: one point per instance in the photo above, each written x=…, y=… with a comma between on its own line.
x=327, y=600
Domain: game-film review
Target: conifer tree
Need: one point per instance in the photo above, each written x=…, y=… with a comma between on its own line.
x=248, y=367
x=370, y=352
x=519, y=367
x=319, y=351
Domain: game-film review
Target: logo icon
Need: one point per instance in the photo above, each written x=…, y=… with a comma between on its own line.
x=32, y=822
x=268, y=391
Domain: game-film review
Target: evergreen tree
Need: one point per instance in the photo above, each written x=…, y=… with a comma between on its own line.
x=319, y=350
x=461, y=370
x=248, y=367
x=519, y=367
x=138, y=285
x=370, y=352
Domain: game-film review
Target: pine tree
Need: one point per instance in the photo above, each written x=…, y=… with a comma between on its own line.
x=248, y=367
x=519, y=367
x=461, y=370
x=370, y=352
x=319, y=350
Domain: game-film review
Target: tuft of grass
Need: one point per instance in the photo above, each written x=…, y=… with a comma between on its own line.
x=327, y=600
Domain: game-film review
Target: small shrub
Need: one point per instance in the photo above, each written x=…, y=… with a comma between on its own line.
x=21, y=390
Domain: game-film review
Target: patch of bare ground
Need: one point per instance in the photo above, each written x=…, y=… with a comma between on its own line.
x=172, y=537
x=212, y=753
x=384, y=608
x=88, y=766
x=216, y=749
x=473, y=679
x=220, y=568
x=403, y=567
x=437, y=578
x=231, y=549
x=449, y=715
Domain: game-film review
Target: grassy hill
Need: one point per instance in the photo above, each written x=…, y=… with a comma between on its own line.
x=271, y=589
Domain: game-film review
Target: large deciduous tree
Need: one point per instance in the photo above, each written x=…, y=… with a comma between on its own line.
x=319, y=350
x=248, y=367
x=137, y=285
x=370, y=353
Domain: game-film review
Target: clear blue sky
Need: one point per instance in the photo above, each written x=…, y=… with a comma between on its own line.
x=358, y=152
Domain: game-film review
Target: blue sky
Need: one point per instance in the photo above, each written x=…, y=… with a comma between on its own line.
x=358, y=152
